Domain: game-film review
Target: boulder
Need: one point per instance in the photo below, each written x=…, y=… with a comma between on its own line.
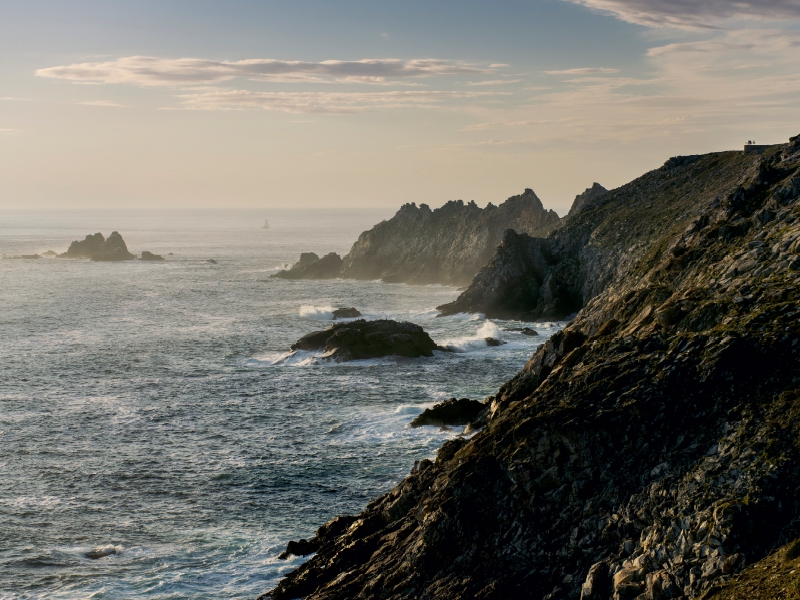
x=310, y=266
x=346, y=313
x=450, y=412
x=357, y=340
x=490, y=341
x=150, y=256
x=524, y=330
x=300, y=548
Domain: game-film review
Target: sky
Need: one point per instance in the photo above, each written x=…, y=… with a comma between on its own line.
x=303, y=104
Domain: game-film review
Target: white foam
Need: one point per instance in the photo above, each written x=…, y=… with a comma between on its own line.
x=318, y=313
x=489, y=329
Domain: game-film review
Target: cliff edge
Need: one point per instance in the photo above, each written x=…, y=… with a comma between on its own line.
x=651, y=449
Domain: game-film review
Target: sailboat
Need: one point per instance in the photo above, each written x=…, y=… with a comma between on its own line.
x=266, y=224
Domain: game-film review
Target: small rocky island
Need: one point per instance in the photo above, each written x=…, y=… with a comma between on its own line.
x=98, y=248
x=358, y=340
x=311, y=266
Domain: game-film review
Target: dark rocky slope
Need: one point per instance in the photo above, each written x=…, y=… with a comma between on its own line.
x=532, y=279
x=649, y=450
x=446, y=245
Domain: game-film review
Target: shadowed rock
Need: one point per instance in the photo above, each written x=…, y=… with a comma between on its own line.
x=346, y=313
x=150, y=256
x=450, y=412
x=98, y=248
x=357, y=340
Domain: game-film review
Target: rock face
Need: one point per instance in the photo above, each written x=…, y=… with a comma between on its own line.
x=530, y=278
x=97, y=248
x=587, y=198
x=446, y=245
x=651, y=449
x=310, y=266
x=150, y=256
x=346, y=313
x=450, y=412
x=357, y=340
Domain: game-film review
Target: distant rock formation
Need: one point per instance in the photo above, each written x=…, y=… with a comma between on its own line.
x=357, y=340
x=150, y=256
x=311, y=266
x=418, y=245
x=587, y=198
x=97, y=248
x=50, y=253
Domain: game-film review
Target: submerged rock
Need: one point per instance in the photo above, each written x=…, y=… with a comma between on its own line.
x=150, y=256
x=311, y=266
x=450, y=412
x=523, y=330
x=100, y=552
x=357, y=340
x=211, y=261
x=346, y=313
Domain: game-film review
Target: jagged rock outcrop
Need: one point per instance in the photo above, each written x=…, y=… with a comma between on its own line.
x=651, y=449
x=532, y=279
x=346, y=313
x=446, y=245
x=358, y=340
x=311, y=266
x=587, y=198
x=454, y=411
x=98, y=248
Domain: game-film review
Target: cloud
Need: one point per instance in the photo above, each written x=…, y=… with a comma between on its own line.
x=500, y=125
x=153, y=71
x=102, y=103
x=324, y=102
x=8, y=131
x=584, y=71
x=494, y=82
x=693, y=14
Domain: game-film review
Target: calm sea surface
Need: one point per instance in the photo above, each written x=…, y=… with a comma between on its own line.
x=153, y=408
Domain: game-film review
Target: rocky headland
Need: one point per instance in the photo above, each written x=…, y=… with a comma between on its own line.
x=358, y=340
x=418, y=245
x=651, y=449
x=98, y=248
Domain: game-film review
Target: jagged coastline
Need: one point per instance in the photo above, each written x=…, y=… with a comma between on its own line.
x=649, y=450
x=418, y=245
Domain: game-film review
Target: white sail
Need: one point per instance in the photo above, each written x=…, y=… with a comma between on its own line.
x=266, y=224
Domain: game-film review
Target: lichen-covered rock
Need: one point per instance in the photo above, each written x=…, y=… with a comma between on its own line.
x=358, y=340
x=634, y=456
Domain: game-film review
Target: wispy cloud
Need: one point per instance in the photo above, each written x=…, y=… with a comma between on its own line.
x=324, y=102
x=693, y=14
x=500, y=125
x=8, y=131
x=494, y=82
x=584, y=71
x=153, y=71
x=102, y=103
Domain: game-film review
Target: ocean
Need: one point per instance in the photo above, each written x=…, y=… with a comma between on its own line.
x=154, y=409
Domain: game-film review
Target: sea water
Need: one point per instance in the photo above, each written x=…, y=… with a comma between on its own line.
x=152, y=412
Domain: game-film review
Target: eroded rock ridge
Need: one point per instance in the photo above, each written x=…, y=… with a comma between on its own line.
x=649, y=450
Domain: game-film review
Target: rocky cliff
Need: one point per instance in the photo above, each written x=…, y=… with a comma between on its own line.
x=551, y=278
x=650, y=450
x=446, y=245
